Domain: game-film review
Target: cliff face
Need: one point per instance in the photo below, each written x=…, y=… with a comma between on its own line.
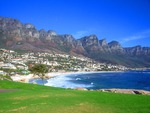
x=15, y=35
x=91, y=43
x=113, y=52
x=137, y=50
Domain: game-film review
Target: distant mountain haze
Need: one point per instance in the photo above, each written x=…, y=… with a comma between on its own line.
x=17, y=36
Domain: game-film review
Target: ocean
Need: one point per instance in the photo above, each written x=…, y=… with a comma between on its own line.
x=103, y=80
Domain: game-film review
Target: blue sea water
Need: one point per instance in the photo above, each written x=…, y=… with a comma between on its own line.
x=106, y=80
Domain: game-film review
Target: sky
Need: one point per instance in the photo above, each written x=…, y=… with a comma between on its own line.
x=126, y=21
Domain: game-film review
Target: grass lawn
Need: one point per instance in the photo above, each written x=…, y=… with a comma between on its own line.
x=30, y=98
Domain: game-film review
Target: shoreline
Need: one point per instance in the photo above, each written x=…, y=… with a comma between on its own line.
x=26, y=78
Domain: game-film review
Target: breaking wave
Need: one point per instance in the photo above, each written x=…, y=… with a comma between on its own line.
x=121, y=80
x=65, y=81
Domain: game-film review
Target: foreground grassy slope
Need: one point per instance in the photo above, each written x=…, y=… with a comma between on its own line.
x=30, y=98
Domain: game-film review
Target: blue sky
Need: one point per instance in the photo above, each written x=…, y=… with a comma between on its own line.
x=126, y=21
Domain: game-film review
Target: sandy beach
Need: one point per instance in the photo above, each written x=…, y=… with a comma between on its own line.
x=26, y=78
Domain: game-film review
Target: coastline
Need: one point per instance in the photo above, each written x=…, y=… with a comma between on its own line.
x=26, y=78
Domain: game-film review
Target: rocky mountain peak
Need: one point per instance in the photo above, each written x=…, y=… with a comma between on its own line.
x=92, y=37
x=91, y=40
x=10, y=23
x=51, y=32
x=103, y=42
x=42, y=34
x=29, y=26
x=137, y=50
x=114, y=45
x=69, y=39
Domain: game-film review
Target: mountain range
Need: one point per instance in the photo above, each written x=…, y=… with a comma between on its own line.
x=25, y=37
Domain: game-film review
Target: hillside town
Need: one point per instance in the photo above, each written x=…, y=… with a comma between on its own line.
x=21, y=62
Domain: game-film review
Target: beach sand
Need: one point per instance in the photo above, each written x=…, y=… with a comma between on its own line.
x=26, y=78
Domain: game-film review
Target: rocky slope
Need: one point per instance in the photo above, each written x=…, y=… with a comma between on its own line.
x=15, y=35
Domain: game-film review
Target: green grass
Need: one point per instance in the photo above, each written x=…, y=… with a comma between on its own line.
x=31, y=98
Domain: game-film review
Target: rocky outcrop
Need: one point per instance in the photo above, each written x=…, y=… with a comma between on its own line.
x=47, y=35
x=137, y=50
x=91, y=40
x=114, y=45
x=126, y=91
x=51, y=33
x=103, y=42
x=93, y=44
x=68, y=40
x=81, y=89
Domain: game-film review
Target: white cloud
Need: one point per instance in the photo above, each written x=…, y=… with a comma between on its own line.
x=138, y=36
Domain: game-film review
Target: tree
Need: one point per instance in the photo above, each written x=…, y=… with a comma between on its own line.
x=40, y=70
x=5, y=77
x=9, y=71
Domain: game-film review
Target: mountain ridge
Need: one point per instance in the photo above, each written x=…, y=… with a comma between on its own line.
x=16, y=35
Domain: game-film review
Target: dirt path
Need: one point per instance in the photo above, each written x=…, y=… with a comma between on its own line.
x=7, y=90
